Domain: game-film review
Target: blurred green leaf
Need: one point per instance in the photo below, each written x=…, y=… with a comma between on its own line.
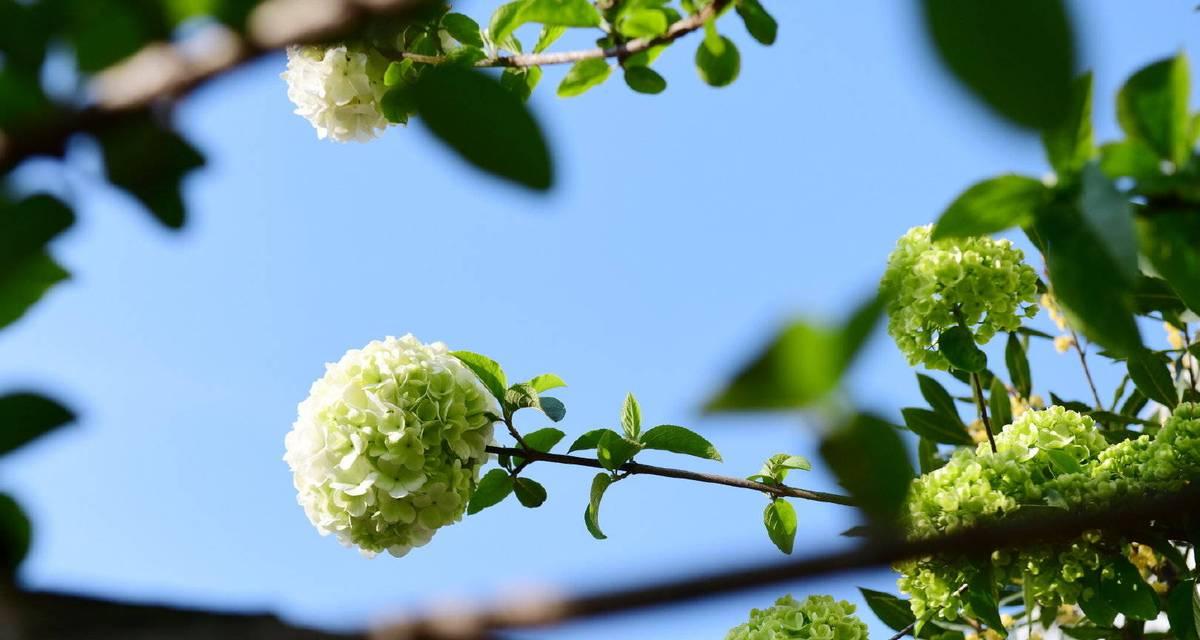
x=642, y=22
x=487, y=125
x=761, y=26
x=548, y=36
x=1093, y=605
x=521, y=82
x=24, y=417
x=1017, y=56
x=149, y=161
x=493, y=488
x=718, y=64
x=780, y=520
x=1069, y=144
x=591, y=515
x=936, y=426
x=25, y=284
x=999, y=403
x=563, y=13
x=15, y=533
x=981, y=596
x=398, y=103
x=1168, y=239
x=1181, y=610
x=991, y=206
x=668, y=437
x=870, y=460
x=582, y=76
x=1108, y=214
x=1128, y=158
x=103, y=32
x=644, y=80
x=1152, y=107
x=26, y=227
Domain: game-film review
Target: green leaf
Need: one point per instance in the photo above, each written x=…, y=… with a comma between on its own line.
x=493, y=487
x=1181, y=610
x=1089, y=286
x=775, y=470
x=25, y=284
x=999, y=404
x=667, y=437
x=1062, y=461
x=463, y=29
x=631, y=417
x=590, y=440
x=149, y=161
x=552, y=407
x=1094, y=606
x=982, y=599
x=644, y=80
x=1018, y=366
x=24, y=417
x=1017, y=56
x=1129, y=158
x=582, y=76
x=1154, y=294
x=1150, y=375
x=761, y=26
x=936, y=426
x=870, y=460
x=487, y=370
x=543, y=440
x=1169, y=240
x=613, y=451
x=26, y=227
x=1152, y=107
x=1123, y=589
x=938, y=398
x=485, y=124
x=529, y=493
x=398, y=103
x=15, y=533
x=718, y=64
x=546, y=382
x=562, y=13
x=549, y=35
x=591, y=515
x=890, y=610
x=521, y=81
x=642, y=22
x=780, y=520
x=803, y=364
x=958, y=345
x=104, y=32
x=1069, y=144
x=1108, y=214
x=991, y=206
x=927, y=456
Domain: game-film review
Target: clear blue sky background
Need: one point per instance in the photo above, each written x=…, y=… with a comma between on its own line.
x=684, y=228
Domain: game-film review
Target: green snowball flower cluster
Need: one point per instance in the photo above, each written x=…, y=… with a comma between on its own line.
x=816, y=618
x=1052, y=458
x=388, y=445
x=928, y=284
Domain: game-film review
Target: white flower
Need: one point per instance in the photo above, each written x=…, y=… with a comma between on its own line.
x=337, y=90
x=388, y=445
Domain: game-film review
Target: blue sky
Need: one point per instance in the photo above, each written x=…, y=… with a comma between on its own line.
x=684, y=228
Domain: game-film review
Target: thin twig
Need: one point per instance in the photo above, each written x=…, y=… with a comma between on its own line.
x=635, y=468
x=1087, y=372
x=977, y=388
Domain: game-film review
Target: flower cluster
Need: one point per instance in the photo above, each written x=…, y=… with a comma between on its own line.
x=388, y=445
x=816, y=618
x=338, y=90
x=1050, y=458
x=929, y=285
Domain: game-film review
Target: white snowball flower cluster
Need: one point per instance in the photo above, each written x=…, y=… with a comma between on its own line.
x=388, y=445
x=338, y=90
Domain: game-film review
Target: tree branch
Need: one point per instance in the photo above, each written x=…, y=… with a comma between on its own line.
x=979, y=540
x=635, y=468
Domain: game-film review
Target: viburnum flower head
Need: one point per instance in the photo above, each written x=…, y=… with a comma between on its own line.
x=928, y=284
x=338, y=90
x=816, y=618
x=388, y=444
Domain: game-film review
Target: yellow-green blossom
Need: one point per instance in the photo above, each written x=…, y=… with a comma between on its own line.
x=816, y=618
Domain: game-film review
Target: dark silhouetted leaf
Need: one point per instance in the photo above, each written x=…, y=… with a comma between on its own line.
x=150, y=162
x=869, y=459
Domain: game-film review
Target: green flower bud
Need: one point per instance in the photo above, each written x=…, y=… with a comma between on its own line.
x=816, y=618
x=926, y=282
